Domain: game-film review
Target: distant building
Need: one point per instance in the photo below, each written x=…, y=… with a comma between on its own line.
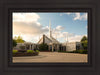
x=70, y=46
x=27, y=45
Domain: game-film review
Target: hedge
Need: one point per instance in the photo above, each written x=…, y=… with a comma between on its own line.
x=76, y=51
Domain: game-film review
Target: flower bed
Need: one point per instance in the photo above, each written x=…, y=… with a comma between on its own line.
x=46, y=51
x=27, y=53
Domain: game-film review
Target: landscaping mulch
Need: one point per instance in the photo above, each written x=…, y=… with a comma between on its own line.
x=25, y=54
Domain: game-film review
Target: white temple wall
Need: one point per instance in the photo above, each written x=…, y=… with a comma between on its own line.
x=18, y=45
x=71, y=46
x=31, y=46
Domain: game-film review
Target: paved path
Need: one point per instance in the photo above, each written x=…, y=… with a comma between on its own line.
x=53, y=57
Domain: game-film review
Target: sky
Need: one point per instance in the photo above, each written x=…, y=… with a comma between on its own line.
x=65, y=26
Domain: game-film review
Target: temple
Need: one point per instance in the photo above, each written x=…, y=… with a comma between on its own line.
x=53, y=44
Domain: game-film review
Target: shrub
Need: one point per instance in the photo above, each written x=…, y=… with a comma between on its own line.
x=59, y=51
x=76, y=51
x=37, y=50
x=80, y=51
x=43, y=47
x=22, y=51
x=22, y=47
x=83, y=51
x=30, y=51
x=15, y=51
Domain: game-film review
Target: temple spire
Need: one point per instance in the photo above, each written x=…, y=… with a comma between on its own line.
x=67, y=37
x=50, y=32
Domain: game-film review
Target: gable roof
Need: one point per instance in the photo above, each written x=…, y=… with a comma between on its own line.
x=47, y=40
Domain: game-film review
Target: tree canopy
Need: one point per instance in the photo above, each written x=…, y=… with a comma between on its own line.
x=83, y=38
x=84, y=42
x=19, y=39
x=14, y=43
x=43, y=47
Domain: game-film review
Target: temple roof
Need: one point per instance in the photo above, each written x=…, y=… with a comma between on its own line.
x=47, y=40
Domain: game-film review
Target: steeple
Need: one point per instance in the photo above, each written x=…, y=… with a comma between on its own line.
x=50, y=32
x=67, y=37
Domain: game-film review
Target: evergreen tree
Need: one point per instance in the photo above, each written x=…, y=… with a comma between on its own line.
x=14, y=43
x=43, y=47
x=84, y=42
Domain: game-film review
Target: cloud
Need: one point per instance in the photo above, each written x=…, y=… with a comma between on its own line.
x=63, y=36
x=28, y=28
x=25, y=17
x=29, y=38
x=59, y=28
x=68, y=13
x=27, y=23
x=75, y=38
x=86, y=27
x=78, y=16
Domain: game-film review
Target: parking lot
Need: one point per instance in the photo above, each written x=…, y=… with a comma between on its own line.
x=53, y=57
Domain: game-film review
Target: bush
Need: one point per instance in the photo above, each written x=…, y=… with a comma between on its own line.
x=22, y=51
x=15, y=51
x=30, y=51
x=37, y=50
x=43, y=47
x=83, y=51
x=22, y=47
x=76, y=51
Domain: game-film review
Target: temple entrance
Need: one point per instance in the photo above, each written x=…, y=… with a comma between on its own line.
x=50, y=48
x=54, y=47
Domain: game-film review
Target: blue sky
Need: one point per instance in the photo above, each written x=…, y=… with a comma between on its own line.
x=70, y=25
x=31, y=26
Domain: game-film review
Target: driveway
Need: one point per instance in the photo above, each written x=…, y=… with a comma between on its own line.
x=53, y=57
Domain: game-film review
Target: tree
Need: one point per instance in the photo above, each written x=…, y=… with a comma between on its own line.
x=84, y=42
x=43, y=47
x=84, y=38
x=14, y=43
x=19, y=39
